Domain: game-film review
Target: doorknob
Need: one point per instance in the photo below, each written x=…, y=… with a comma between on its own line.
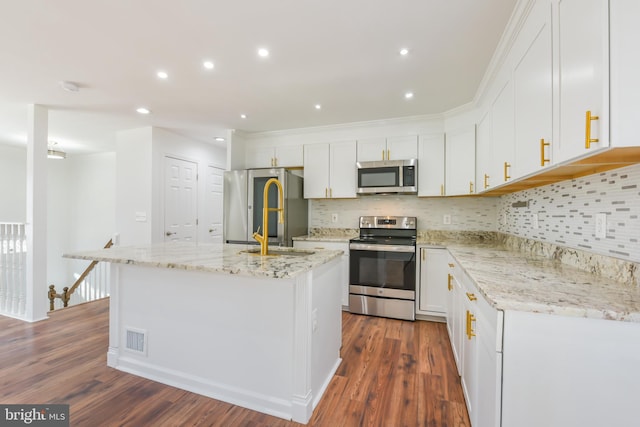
x=169, y=233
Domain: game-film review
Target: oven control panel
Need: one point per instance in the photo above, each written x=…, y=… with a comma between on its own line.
x=401, y=222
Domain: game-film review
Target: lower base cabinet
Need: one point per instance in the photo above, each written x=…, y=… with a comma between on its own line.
x=344, y=265
x=525, y=369
x=431, y=295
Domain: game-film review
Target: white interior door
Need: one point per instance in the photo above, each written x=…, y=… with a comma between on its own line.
x=180, y=200
x=213, y=205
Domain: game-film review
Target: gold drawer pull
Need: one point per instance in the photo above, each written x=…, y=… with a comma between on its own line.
x=588, y=140
x=486, y=181
x=543, y=159
x=470, y=319
x=451, y=265
x=507, y=177
x=472, y=297
x=449, y=284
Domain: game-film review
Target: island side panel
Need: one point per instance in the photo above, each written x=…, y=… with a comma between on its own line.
x=220, y=335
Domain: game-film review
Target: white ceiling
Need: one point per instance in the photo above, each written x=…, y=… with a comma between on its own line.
x=342, y=54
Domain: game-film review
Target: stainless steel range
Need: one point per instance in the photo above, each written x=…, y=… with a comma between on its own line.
x=382, y=267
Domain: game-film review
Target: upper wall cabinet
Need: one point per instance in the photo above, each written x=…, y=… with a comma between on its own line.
x=484, y=152
x=533, y=93
x=583, y=79
x=278, y=156
x=431, y=165
x=330, y=170
x=391, y=148
x=460, y=154
x=503, y=135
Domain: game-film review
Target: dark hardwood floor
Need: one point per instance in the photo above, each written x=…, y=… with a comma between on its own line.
x=394, y=373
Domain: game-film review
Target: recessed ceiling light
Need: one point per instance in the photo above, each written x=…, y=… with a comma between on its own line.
x=208, y=65
x=262, y=52
x=219, y=139
x=143, y=110
x=408, y=95
x=318, y=107
x=162, y=74
x=69, y=86
x=243, y=116
x=404, y=51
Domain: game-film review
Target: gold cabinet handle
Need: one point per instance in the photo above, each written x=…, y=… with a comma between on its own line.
x=472, y=297
x=507, y=177
x=424, y=254
x=326, y=192
x=486, y=181
x=588, y=140
x=442, y=189
x=449, y=284
x=382, y=154
x=331, y=193
x=470, y=187
x=543, y=144
x=388, y=154
x=451, y=265
x=470, y=319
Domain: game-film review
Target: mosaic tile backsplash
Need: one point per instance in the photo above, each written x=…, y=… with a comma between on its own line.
x=466, y=213
x=566, y=213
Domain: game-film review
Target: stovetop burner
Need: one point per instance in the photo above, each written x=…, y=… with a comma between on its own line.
x=387, y=230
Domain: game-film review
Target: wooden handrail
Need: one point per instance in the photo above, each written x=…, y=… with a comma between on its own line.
x=65, y=296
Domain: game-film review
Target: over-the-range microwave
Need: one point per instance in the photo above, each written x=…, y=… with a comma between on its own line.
x=388, y=176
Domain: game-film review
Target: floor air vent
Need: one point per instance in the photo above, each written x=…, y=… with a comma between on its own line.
x=136, y=341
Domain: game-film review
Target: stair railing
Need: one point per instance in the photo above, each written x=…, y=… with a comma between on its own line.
x=65, y=296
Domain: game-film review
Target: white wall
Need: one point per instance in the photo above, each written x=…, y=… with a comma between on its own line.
x=13, y=184
x=134, y=185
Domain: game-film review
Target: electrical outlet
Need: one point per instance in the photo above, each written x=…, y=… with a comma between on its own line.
x=334, y=217
x=446, y=219
x=601, y=226
x=534, y=221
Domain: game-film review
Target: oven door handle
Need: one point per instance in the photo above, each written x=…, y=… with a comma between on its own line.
x=381, y=248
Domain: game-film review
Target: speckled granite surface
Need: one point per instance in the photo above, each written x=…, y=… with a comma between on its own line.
x=215, y=258
x=527, y=275
x=514, y=280
x=330, y=234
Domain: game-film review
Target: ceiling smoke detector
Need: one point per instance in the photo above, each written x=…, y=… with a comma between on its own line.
x=69, y=86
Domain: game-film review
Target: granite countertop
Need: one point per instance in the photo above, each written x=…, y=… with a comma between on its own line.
x=338, y=235
x=216, y=258
x=513, y=280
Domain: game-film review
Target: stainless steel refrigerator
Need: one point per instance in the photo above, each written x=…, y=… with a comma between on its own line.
x=243, y=204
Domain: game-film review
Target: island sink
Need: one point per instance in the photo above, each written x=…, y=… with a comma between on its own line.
x=279, y=252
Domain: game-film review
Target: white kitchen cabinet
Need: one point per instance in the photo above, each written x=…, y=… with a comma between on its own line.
x=469, y=376
x=278, y=156
x=625, y=69
x=475, y=331
x=460, y=149
x=502, y=144
x=454, y=314
x=533, y=93
x=432, y=282
x=583, y=77
x=484, y=152
x=330, y=170
x=431, y=165
x=344, y=264
x=561, y=371
x=390, y=148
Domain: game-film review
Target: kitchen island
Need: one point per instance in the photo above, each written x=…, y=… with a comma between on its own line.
x=262, y=332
